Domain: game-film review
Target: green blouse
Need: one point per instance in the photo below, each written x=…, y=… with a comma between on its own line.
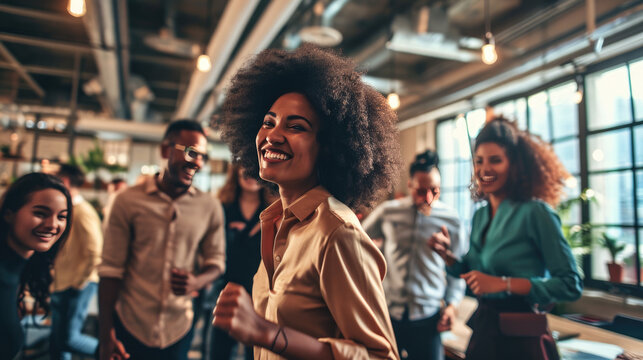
x=523, y=240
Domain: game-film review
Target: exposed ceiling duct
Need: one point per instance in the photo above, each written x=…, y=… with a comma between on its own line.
x=106, y=31
x=272, y=21
x=166, y=41
x=222, y=43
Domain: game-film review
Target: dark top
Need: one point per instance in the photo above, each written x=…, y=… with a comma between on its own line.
x=243, y=252
x=11, y=335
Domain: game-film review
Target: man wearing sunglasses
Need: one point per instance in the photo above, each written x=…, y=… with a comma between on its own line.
x=153, y=235
x=415, y=284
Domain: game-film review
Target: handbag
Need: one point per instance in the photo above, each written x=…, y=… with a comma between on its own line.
x=534, y=331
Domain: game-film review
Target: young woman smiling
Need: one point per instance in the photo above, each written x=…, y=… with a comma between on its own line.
x=35, y=218
x=327, y=142
x=518, y=257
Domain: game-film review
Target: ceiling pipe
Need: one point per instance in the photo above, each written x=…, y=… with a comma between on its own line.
x=267, y=28
x=103, y=29
x=331, y=11
x=222, y=43
x=579, y=47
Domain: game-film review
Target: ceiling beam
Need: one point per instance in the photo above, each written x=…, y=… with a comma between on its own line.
x=43, y=70
x=17, y=66
x=38, y=14
x=222, y=43
x=268, y=26
x=46, y=43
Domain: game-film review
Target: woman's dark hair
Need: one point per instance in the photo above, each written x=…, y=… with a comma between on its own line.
x=535, y=170
x=230, y=191
x=424, y=162
x=36, y=276
x=359, y=153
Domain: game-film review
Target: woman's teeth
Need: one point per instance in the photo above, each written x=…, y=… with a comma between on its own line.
x=275, y=156
x=488, y=178
x=44, y=234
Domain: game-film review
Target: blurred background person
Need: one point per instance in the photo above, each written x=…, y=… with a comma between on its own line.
x=153, y=236
x=243, y=199
x=415, y=284
x=35, y=218
x=75, y=274
x=519, y=259
x=113, y=188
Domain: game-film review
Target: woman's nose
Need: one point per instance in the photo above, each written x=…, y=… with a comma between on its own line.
x=275, y=136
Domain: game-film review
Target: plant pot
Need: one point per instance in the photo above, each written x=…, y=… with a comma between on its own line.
x=616, y=272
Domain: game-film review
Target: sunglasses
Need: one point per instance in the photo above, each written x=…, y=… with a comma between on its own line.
x=190, y=153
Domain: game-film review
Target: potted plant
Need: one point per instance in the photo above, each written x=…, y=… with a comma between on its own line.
x=578, y=236
x=614, y=247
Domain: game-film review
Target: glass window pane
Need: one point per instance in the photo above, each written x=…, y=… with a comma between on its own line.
x=608, y=98
x=609, y=150
x=464, y=173
x=641, y=254
x=476, y=119
x=521, y=113
x=506, y=110
x=462, y=141
x=564, y=111
x=639, y=196
x=572, y=190
x=567, y=152
x=448, y=174
x=448, y=197
x=636, y=74
x=539, y=115
x=638, y=141
x=601, y=256
x=615, y=204
x=445, y=139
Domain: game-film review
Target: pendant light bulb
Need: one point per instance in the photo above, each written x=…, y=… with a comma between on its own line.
x=393, y=100
x=76, y=8
x=489, y=54
x=203, y=63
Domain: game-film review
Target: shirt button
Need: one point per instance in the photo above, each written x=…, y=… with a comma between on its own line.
x=277, y=258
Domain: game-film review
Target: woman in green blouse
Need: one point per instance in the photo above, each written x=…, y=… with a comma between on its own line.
x=518, y=259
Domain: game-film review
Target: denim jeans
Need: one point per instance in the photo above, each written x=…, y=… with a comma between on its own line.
x=418, y=339
x=68, y=313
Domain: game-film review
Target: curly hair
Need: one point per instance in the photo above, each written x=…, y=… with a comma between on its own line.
x=359, y=154
x=535, y=170
x=36, y=276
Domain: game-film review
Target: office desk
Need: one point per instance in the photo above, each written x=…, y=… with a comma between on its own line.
x=455, y=342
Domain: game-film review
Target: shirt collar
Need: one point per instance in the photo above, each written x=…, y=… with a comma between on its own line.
x=301, y=208
x=151, y=186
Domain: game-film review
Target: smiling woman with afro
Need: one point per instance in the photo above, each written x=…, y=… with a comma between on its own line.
x=305, y=122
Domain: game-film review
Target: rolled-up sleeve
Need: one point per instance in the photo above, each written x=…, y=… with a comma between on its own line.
x=351, y=274
x=564, y=283
x=213, y=243
x=116, y=241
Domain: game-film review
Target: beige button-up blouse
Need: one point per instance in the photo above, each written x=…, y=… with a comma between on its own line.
x=322, y=275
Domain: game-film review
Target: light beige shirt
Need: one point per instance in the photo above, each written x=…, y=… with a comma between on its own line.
x=76, y=262
x=327, y=278
x=146, y=235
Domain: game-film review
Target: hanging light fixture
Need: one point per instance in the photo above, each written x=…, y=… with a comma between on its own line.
x=578, y=95
x=393, y=100
x=203, y=63
x=76, y=8
x=489, y=54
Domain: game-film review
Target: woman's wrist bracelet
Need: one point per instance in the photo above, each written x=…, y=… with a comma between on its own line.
x=507, y=281
x=274, y=341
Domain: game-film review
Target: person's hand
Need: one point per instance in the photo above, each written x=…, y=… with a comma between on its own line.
x=447, y=318
x=235, y=314
x=440, y=242
x=481, y=283
x=183, y=282
x=112, y=349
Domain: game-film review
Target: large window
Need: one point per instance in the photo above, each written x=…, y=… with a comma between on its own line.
x=454, y=150
x=600, y=142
